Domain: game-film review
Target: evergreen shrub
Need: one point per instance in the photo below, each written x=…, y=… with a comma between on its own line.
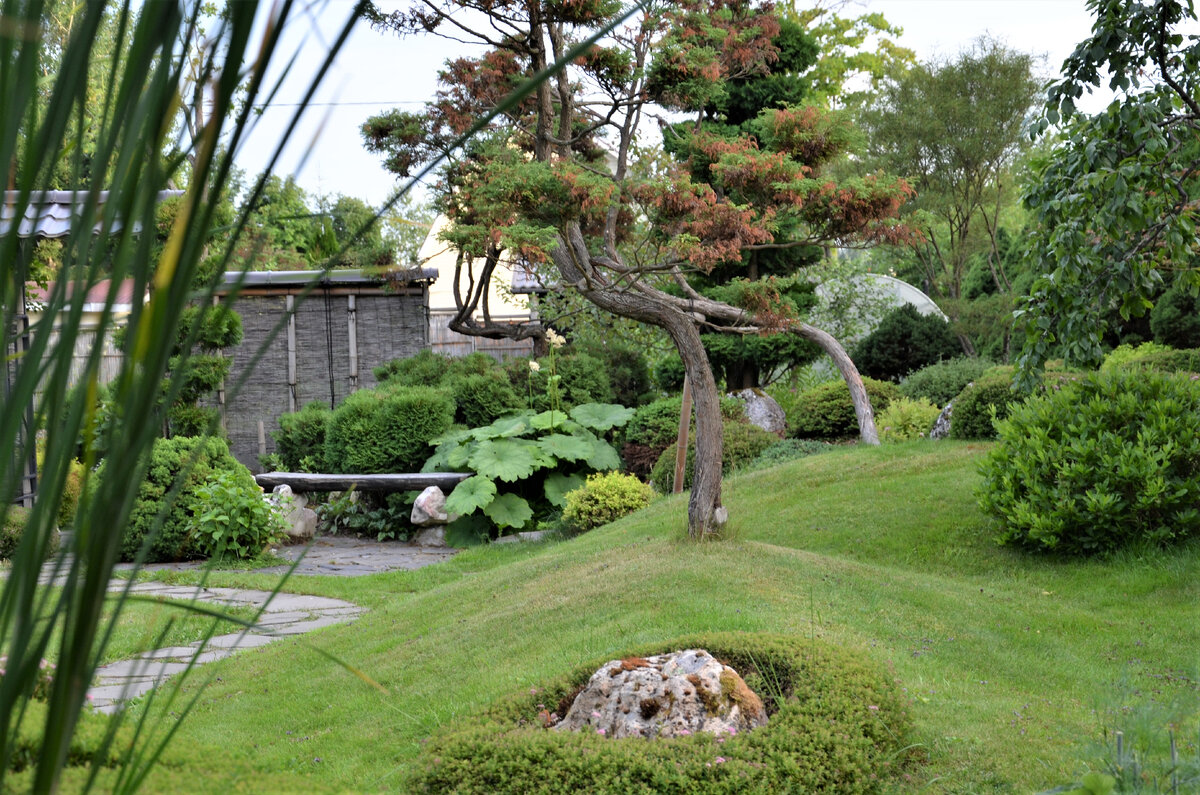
x=940, y=382
x=826, y=411
x=742, y=443
x=300, y=438
x=604, y=498
x=836, y=725
x=481, y=398
x=1175, y=319
x=905, y=341
x=1105, y=462
x=386, y=429
x=189, y=462
x=581, y=379
x=975, y=407
x=14, y=528
x=1165, y=360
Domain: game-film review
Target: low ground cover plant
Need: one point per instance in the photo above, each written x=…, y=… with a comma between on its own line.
x=1090, y=466
x=905, y=419
x=789, y=450
x=837, y=725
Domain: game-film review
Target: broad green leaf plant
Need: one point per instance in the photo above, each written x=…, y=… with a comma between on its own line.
x=525, y=464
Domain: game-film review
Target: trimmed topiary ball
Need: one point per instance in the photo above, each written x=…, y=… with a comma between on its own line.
x=300, y=440
x=976, y=405
x=836, y=725
x=482, y=398
x=386, y=429
x=605, y=498
x=1090, y=466
x=939, y=383
x=826, y=411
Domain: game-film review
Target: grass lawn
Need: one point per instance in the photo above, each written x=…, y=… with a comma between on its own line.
x=1016, y=665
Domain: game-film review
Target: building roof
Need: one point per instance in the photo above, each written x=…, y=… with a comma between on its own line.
x=316, y=278
x=96, y=297
x=51, y=213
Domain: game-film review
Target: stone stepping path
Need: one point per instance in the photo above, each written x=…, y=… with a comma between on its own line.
x=286, y=614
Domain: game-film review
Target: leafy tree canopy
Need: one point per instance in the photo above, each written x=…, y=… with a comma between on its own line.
x=1117, y=202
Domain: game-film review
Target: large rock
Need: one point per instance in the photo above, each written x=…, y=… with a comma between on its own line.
x=299, y=519
x=763, y=410
x=941, y=426
x=430, y=508
x=668, y=695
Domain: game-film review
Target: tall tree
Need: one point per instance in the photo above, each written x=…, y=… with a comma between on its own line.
x=1118, y=200
x=955, y=128
x=540, y=187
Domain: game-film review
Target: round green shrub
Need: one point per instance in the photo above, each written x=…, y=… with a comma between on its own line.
x=1129, y=355
x=1166, y=360
x=974, y=407
x=826, y=411
x=482, y=398
x=655, y=424
x=1090, y=466
x=300, y=439
x=13, y=530
x=628, y=372
x=193, y=461
x=905, y=341
x=741, y=444
x=905, y=419
x=836, y=725
x=426, y=368
x=187, y=419
x=386, y=429
x=581, y=379
x=605, y=498
x=939, y=383
x=789, y=450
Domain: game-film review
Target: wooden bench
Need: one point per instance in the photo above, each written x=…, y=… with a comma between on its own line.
x=309, y=481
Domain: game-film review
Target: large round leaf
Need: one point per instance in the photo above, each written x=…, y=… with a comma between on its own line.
x=548, y=420
x=603, y=457
x=601, y=416
x=473, y=493
x=567, y=448
x=503, y=428
x=509, y=510
x=507, y=459
x=557, y=486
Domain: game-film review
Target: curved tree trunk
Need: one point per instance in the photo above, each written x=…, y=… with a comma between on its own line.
x=858, y=392
x=573, y=261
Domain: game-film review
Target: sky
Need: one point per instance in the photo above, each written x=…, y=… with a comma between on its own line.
x=377, y=71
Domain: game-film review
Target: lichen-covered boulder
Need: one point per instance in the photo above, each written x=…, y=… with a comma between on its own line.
x=941, y=426
x=667, y=695
x=763, y=410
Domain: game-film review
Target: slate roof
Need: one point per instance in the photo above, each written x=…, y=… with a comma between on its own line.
x=50, y=213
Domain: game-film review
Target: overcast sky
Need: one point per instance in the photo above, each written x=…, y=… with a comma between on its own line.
x=376, y=71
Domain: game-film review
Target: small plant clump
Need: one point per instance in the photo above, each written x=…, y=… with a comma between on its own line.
x=1105, y=462
x=789, y=450
x=836, y=725
x=604, y=498
x=905, y=419
x=14, y=528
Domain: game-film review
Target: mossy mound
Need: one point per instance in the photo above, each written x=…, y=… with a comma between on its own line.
x=836, y=724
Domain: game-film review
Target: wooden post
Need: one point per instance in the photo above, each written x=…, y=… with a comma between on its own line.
x=291, y=343
x=216, y=301
x=352, y=330
x=262, y=439
x=681, y=445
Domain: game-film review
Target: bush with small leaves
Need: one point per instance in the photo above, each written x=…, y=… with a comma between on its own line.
x=14, y=528
x=655, y=427
x=426, y=368
x=1175, y=318
x=905, y=341
x=837, y=725
x=386, y=429
x=300, y=439
x=181, y=465
x=1126, y=355
x=605, y=498
x=741, y=444
x=826, y=411
x=975, y=407
x=1090, y=466
x=939, y=383
x=905, y=419
x=1165, y=360
x=481, y=398
x=581, y=379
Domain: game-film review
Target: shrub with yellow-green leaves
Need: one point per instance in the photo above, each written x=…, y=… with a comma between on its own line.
x=604, y=498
